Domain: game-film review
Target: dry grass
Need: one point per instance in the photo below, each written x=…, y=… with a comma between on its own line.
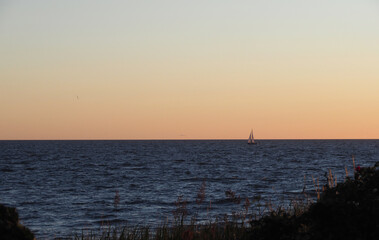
x=302, y=219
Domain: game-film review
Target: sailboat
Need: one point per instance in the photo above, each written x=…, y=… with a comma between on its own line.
x=251, y=138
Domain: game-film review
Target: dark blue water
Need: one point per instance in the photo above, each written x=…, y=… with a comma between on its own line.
x=60, y=187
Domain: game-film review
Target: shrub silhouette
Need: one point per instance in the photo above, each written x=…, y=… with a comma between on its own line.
x=10, y=228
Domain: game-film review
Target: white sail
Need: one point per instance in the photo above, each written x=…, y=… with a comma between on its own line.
x=251, y=138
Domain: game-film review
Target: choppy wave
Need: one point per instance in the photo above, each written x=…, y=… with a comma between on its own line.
x=65, y=186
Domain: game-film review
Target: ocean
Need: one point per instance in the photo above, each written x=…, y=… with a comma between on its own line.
x=63, y=187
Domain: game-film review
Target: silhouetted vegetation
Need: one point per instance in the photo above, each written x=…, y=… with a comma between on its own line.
x=347, y=210
x=10, y=228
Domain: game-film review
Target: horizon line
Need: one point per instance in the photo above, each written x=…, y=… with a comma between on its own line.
x=186, y=139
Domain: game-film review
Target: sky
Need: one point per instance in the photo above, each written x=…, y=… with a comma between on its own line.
x=173, y=69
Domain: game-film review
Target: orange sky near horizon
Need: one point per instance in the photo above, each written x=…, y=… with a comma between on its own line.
x=179, y=70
